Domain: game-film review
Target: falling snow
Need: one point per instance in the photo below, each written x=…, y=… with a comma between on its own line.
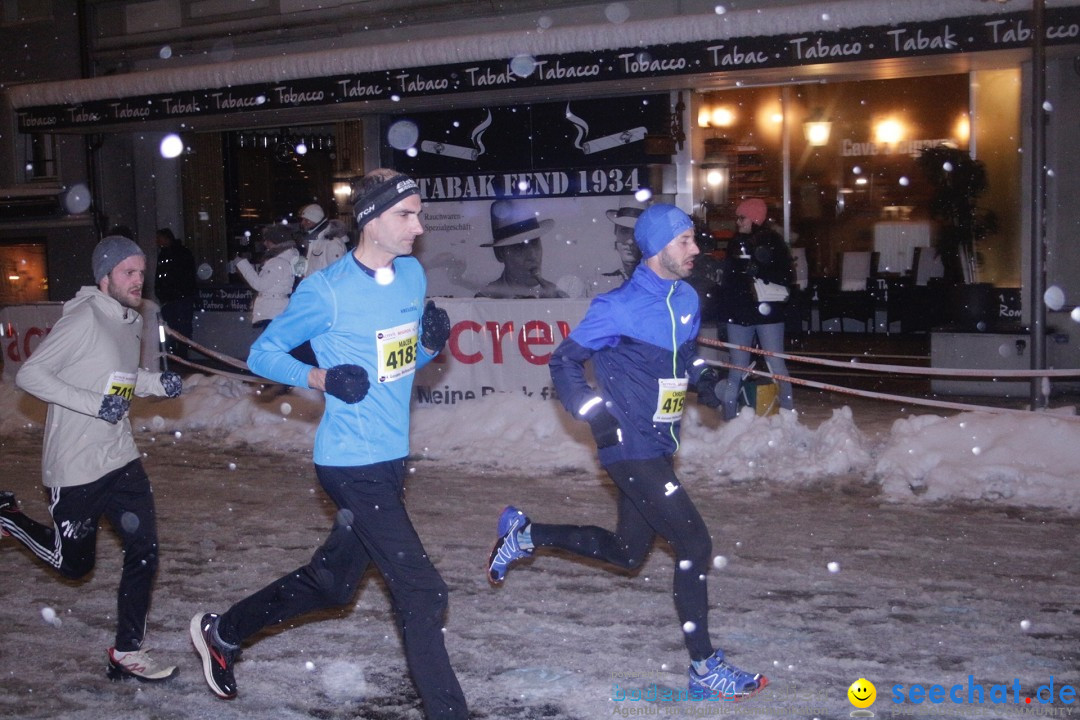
x=953, y=564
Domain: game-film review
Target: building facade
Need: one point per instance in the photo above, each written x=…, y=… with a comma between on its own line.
x=823, y=109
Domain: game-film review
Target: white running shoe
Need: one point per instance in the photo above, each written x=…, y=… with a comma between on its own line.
x=138, y=664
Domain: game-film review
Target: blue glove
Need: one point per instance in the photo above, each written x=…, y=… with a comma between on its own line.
x=348, y=383
x=172, y=383
x=434, y=327
x=706, y=387
x=113, y=408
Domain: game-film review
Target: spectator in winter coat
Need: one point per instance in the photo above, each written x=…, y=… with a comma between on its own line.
x=273, y=281
x=175, y=286
x=755, y=253
x=325, y=239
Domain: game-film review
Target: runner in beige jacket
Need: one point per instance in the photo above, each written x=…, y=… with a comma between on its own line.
x=87, y=370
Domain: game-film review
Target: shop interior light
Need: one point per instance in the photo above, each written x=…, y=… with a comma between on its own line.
x=722, y=117
x=962, y=129
x=342, y=190
x=719, y=116
x=817, y=129
x=715, y=169
x=889, y=131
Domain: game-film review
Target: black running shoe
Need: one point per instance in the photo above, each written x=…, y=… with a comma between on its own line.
x=217, y=657
x=8, y=505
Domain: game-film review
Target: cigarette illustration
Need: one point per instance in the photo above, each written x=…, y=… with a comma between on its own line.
x=457, y=151
x=607, y=142
x=461, y=152
x=615, y=139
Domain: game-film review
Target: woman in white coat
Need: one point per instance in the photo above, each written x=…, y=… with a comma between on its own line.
x=273, y=281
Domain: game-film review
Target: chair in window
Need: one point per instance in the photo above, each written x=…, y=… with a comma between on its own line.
x=853, y=301
x=799, y=305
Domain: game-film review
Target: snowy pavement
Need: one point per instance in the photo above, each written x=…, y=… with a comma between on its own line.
x=816, y=584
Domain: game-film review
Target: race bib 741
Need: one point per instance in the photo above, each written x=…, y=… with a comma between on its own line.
x=122, y=384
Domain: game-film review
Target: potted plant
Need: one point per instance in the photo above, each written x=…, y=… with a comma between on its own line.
x=958, y=180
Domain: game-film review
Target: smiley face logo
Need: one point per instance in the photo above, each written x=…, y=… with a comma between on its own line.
x=862, y=693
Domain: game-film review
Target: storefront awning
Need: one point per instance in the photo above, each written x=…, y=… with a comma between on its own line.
x=747, y=41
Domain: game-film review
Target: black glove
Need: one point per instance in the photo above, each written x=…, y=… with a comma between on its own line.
x=347, y=382
x=113, y=408
x=434, y=327
x=706, y=387
x=605, y=428
x=172, y=383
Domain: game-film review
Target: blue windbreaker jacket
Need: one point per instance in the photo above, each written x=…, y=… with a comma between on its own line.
x=636, y=335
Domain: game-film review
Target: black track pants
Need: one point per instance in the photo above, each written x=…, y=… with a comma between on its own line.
x=651, y=502
x=372, y=526
x=70, y=544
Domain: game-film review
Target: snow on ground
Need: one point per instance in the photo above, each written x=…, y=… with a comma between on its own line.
x=911, y=455
x=856, y=540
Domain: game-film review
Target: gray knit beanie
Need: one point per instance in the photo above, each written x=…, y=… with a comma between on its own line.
x=110, y=252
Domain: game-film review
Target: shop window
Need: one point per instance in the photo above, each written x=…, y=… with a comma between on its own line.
x=39, y=157
x=270, y=174
x=24, y=276
x=852, y=151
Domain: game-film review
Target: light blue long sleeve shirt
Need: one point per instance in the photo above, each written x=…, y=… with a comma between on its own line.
x=352, y=318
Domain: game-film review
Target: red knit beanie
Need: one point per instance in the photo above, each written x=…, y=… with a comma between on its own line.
x=753, y=209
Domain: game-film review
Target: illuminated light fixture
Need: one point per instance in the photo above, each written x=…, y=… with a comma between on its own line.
x=889, y=131
x=962, y=129
x=817, y=129
x=721, y=116
x=342, y=190
x=715, y=172
x=703, y=116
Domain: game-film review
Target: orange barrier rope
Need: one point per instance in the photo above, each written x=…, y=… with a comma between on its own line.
x=903, y=369
x=211, y=371
x=884, y=396
x=227, y=359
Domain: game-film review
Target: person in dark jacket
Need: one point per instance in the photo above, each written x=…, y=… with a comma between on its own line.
x=175, y=286
x=755, y=253
x=641, y=341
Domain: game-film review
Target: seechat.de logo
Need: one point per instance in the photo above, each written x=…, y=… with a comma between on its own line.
x=862, y=695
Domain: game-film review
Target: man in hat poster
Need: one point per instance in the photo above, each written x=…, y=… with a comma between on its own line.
x=371, y=331
x=87, y=370
x=516, y=234
x=623, y=219
x=641, y=342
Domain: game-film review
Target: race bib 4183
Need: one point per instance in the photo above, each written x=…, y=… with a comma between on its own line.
x=397, y=352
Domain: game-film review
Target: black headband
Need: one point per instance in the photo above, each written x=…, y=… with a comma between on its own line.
x=382, y=197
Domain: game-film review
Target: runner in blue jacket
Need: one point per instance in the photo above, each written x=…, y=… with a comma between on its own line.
x=370, y=330
x=640, y=339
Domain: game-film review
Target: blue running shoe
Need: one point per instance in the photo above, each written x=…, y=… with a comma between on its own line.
x=724, y=681
x=507, y=548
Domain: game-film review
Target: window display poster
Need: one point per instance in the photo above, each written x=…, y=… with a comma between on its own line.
x=553, y=174
x=575, y=238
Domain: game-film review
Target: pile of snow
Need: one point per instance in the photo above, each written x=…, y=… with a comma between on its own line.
x=1025, y=460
